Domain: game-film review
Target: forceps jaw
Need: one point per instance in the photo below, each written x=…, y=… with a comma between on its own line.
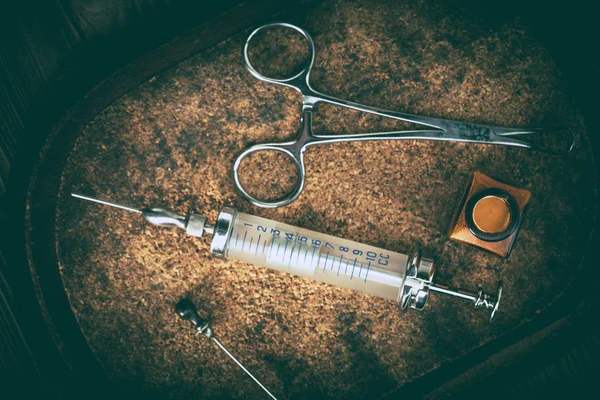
x=515, y=137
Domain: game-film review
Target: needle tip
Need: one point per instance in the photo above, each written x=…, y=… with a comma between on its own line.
x=106, y=203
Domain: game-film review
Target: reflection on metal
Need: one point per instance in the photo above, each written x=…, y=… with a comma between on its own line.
x=435, y=128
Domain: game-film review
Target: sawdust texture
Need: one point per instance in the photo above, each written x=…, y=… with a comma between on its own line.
x=172, y=143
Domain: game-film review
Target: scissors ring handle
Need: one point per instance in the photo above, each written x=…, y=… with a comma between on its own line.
x=298, y=161
x=297, y=81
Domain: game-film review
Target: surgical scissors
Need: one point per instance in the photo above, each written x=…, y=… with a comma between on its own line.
x=442, y=129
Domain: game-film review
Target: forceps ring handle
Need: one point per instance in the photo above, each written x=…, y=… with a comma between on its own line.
x=294, y=152
x=298, y=81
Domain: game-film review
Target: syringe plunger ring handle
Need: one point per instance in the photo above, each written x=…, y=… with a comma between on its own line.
x=419, y=282
x=488, y=301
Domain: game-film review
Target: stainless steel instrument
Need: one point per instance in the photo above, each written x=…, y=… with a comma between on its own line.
x=406, y=279
x=187, y=311
x=436, y=129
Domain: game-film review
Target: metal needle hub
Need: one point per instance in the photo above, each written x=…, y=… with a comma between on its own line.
x=194, y=225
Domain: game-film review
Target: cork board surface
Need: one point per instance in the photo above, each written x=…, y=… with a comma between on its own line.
x=172, y=142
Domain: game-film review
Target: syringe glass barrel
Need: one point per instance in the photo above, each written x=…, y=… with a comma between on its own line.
x=303, y=252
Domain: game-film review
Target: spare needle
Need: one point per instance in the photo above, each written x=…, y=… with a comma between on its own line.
x=187, y=311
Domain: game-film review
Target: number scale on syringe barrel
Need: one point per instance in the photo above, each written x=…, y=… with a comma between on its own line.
x=325, y=258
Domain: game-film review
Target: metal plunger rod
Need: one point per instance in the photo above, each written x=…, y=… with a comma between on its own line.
x=187, y=311
x=479, y=299
x=468, y=295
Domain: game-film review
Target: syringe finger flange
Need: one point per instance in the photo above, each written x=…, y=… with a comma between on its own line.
x=222, y=232
x=419, y=275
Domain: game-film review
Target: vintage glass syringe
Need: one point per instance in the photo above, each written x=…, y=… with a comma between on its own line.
x=405, y=279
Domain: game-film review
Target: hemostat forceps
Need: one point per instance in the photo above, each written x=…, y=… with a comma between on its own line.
x=436, y=129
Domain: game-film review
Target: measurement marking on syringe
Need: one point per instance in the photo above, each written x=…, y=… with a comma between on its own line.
x=340, y=265
x=346, y=270
x=299, y=250
x=353, y=266
x=271, y=248
x=264, y=246
x=250, y=244
x=244, y=241
x=291, y=255
x=278, y=246
x=360, y=270
x=257, y=243
x=284, y=250
x=236, y=238
x=368, y=268
x=324, y=264
x=313, y=256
